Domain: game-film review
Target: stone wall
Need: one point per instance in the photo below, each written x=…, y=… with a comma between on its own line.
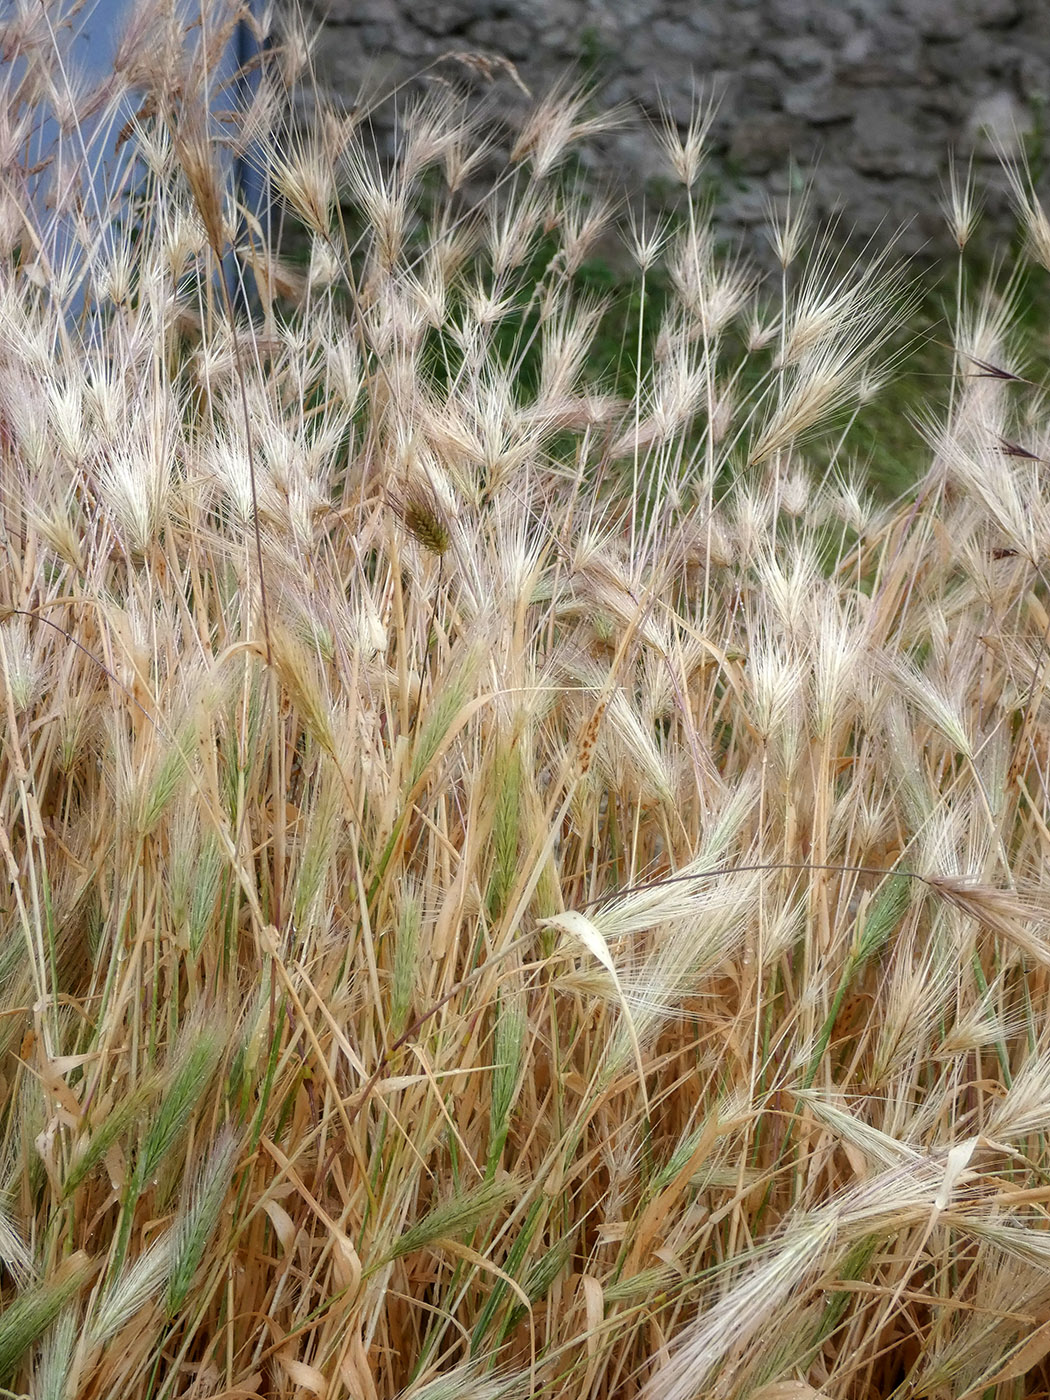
x=866, y=96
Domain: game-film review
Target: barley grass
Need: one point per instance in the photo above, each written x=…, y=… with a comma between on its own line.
x=514, y=888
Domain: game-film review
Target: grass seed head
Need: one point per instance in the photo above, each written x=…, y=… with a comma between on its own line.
x=582, y=617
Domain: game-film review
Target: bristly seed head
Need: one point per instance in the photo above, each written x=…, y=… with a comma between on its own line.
x=424, y=520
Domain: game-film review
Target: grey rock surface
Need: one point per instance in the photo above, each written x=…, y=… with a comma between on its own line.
x=866, y=98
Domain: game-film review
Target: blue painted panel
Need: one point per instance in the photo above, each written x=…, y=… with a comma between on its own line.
x=88, y=38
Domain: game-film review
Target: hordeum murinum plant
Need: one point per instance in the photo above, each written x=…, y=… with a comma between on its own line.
x=523, y=876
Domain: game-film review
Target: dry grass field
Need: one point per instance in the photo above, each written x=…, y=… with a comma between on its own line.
x=512, y=889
